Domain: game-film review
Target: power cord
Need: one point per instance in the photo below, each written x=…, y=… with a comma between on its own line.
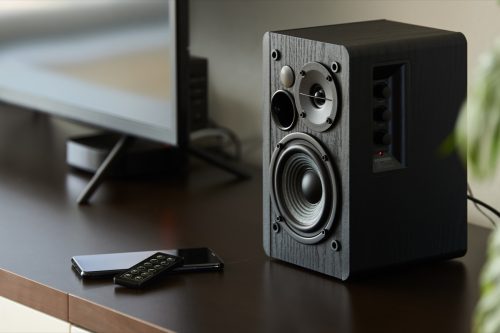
x=224, y=137
x=477, y=203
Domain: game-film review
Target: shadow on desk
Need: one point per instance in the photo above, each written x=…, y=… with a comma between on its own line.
x=428, y=297
x=433, y=291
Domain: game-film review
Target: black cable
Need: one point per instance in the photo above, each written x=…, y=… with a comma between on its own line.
x=214, y=130
x=485, y=205
x=479, y=209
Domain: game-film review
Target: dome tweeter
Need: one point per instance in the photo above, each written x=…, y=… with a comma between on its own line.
x=316, y=96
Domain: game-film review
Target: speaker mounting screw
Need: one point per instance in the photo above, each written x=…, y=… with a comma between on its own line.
x=335, y=66
x=302, y=115
x=335, y=245
x=276, y=55
x=329, y=78
x=276, y=227
x=279, y=146
x=324, y=158
x=329, y=121
x=279, y=218
x=302, y=73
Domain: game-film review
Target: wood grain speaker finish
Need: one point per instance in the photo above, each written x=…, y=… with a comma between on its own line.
x=398, y=89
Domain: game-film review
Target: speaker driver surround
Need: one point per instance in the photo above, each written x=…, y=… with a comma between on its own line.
x=303, y=187
x=316, y=95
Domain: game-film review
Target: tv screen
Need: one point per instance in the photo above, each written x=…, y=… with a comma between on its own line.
x=119, y=65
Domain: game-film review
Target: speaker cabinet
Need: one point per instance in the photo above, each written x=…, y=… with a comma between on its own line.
x=354, y=118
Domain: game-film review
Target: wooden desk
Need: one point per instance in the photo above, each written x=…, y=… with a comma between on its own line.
x=42, y=227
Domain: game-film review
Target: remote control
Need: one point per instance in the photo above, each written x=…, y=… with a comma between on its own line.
x=148, y=270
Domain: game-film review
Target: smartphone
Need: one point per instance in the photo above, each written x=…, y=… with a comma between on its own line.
x=110, y=264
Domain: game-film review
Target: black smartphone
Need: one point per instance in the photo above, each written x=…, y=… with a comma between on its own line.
x=109, y=264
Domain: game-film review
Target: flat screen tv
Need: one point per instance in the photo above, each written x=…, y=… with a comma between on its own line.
x=117, y=65
x=120, y=65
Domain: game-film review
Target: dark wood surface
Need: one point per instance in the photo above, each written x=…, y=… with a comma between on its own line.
x=34, y=294
x=42, y=227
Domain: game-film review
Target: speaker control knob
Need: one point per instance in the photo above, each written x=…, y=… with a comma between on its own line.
x=382, y=91
x=382, y=114
x=382, y=138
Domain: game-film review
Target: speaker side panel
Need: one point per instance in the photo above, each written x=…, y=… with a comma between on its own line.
x=266, y=119
x=417, y=212
x=296, y=53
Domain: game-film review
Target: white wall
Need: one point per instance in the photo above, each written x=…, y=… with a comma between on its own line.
x=229, y=33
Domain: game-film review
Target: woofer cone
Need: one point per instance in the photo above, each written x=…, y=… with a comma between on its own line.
x=303, y=187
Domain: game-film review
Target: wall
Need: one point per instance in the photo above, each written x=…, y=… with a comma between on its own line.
x=229, y=33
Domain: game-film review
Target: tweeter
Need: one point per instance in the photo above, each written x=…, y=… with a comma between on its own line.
x=316, y=96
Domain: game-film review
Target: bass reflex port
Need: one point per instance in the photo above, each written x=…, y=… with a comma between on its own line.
x=283, y=109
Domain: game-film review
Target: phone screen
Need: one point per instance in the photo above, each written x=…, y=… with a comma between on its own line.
x=103, y=265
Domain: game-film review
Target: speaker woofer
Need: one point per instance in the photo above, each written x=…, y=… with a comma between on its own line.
x=316, y=95
x=303, y=187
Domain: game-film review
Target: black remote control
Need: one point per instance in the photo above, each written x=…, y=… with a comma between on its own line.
x=148, y=270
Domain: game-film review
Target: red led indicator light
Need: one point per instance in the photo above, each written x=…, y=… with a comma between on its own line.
x=380, y=153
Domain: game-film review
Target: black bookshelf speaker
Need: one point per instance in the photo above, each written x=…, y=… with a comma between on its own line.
x=354, y=118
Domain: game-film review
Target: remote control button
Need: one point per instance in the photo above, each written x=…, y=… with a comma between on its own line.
x=145, y=271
